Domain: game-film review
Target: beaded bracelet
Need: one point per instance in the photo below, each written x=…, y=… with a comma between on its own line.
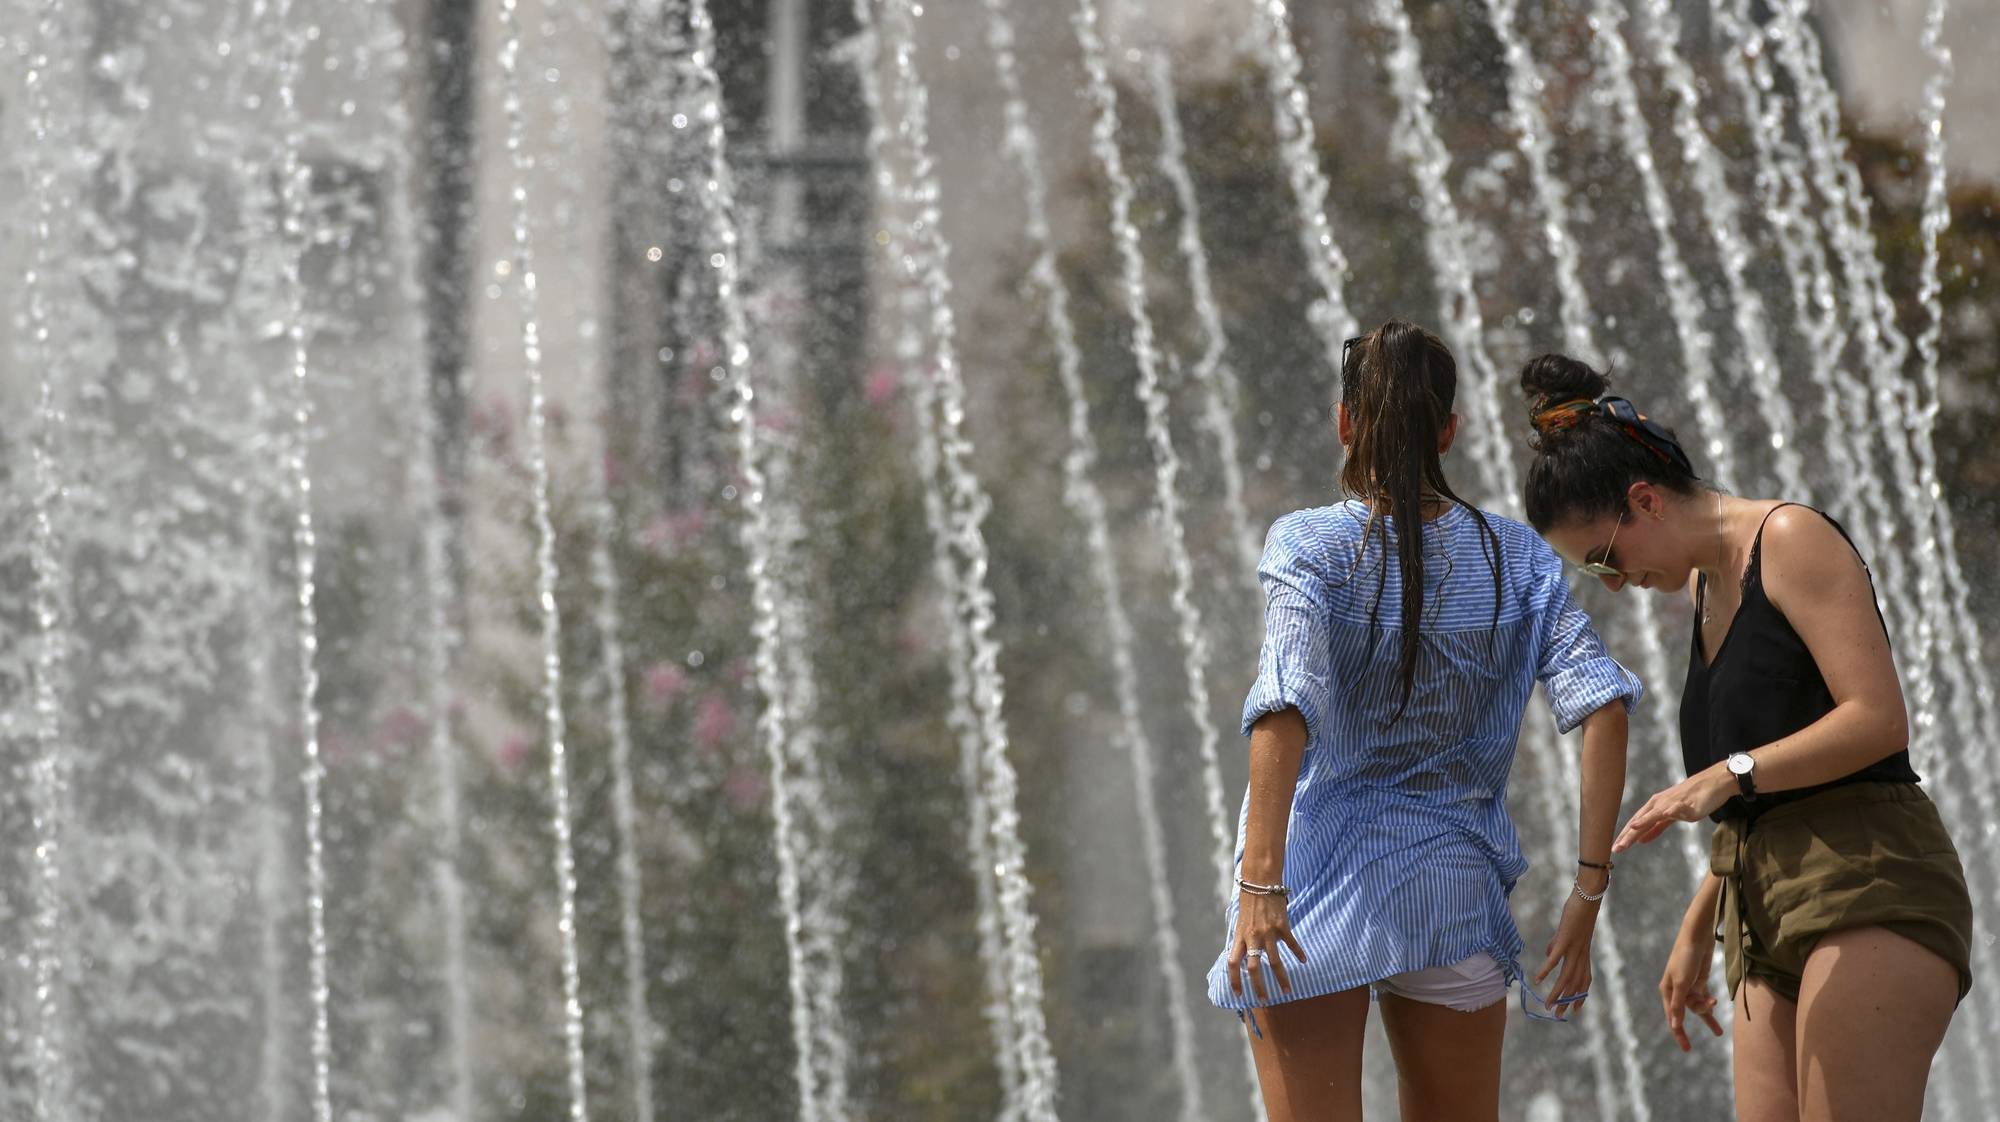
x=1262, y=889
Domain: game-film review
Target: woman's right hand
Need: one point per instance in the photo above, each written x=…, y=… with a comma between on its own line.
x=1261, y=926
x=1684, y=985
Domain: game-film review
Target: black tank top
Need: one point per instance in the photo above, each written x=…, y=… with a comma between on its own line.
x=1761, y=686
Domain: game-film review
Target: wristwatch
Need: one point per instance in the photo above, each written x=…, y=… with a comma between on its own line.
x=1744, y=767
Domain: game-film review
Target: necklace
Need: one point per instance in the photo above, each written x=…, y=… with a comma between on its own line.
x=1721, y=557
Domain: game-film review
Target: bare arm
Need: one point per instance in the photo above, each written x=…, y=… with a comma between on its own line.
x=1277, y=748
x=1604, y=739
x=1814, y=578
x=1604, y=734
x=1684, y=982
x=1700, y=914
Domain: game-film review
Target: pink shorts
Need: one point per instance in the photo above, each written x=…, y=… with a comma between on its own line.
x=1467, y=986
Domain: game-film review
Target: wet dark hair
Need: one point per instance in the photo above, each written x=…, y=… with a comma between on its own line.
x=1398, y=382
x=1588, y=452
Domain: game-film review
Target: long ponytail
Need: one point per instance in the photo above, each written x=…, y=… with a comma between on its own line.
x=1398, y=384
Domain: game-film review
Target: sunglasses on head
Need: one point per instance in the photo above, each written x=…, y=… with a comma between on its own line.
x=1656, y=440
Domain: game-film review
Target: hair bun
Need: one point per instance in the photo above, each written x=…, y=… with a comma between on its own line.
x=1550, y=380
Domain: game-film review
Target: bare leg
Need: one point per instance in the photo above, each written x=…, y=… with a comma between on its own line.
x=1447, y=1062
x=1873, y=1009
x=1765, y=1040
x=1309, y=1058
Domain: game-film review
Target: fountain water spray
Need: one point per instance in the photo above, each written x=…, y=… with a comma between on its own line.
x=1154, y=397
x=1532, y=138
x=523, y=267
x=441, y=632
x=608, y=619
x=1086, y=500
x=1660, y=28
x=1933, y=547
x=899, y=207
x=293, y=181
x=821, y=1094
x=1331, y=322
x=924, y=260
x=1214, y=376
x=1781, y=191
x=1882, y=345
x=1159, y=437
x=1884, y=348
x=1683, y=298
x=49, y=1048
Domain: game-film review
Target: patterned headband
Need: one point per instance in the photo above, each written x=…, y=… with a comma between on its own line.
x=1649, y=435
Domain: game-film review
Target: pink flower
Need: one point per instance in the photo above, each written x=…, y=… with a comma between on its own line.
x=744, y=788
x=401, y=727
x=665, y=681
x=493, y=420
x=674, y=529
x=714, y=723
x=513, y=750
x=777, y=420
x=694, y=385
x=334, y=749
x=880, y=387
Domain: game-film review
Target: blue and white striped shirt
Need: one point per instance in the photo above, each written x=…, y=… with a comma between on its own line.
x=1399, y=852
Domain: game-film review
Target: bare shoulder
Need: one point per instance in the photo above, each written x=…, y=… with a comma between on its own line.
x=1804, y=555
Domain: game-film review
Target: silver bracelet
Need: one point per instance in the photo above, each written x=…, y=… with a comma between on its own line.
x=1262, y=889
x=1582, y=895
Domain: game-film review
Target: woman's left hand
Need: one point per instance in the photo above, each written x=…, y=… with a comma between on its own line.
x=1690, y=800
x=1569, y=949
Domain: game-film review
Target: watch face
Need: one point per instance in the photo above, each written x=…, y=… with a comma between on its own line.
x=1741, y=764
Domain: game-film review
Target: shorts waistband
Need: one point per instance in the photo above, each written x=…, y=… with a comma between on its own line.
x=1847, y=794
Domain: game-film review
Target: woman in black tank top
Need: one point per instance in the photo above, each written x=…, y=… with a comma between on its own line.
x=1833, y=888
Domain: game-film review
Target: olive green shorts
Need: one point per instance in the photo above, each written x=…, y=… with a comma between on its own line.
x=1860, y=855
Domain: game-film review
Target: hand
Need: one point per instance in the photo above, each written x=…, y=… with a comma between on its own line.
x=1261, y=925
x=1690, y=800
x=1570, y=949
x=1684, y=985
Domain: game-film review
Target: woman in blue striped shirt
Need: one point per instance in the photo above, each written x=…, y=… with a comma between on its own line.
x=1404, y=631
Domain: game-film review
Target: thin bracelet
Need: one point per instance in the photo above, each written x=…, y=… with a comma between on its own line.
x=1607, y=866
x=1262, y=889
x=1582, y=895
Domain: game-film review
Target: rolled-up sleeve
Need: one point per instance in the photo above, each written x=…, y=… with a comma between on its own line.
x=1292, y=670
x=1576, y=672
